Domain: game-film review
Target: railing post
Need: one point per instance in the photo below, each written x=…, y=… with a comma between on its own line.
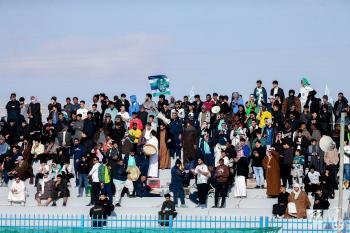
x=82, y=221
x=170, y=222
x=266, y=222
x=261, y=224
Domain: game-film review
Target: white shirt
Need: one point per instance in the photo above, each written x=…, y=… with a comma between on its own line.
x=314, y=177
x=304, y=92
x=201, y=179
x=83, y=112
x=94, y=173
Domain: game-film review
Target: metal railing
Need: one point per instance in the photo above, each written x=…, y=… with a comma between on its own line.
x=190, y=223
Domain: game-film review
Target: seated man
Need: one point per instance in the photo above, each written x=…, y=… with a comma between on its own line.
x=67, y=172
x=43, y=169
x=168, y=209
x=142, y=189
x=100, y=211
x=279, y=209
x=17, y=192
x=312, y=181
x=44, y=190
x=60, y=190
x=321, y=201
x=22, y=169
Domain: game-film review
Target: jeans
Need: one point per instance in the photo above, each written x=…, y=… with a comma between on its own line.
x=179, y=193
x=83, y=183
x=6, y=176
x=76, y=169
x=107, y=188
x=259, y=176
x=347, y=172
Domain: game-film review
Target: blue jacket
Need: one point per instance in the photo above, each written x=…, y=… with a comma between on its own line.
x=177, y=179
x=236, y=104
x=77, y=152
x=134, y=106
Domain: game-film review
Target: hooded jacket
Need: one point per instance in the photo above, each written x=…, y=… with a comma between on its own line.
x=134, y=106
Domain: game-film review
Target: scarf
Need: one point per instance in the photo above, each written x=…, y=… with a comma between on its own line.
x=296, y=194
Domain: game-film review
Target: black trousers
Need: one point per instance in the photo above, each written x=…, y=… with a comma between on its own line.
x=285, y=175
x=202, y=193
x=220, y=191
x=334, y=172
x=95, y=191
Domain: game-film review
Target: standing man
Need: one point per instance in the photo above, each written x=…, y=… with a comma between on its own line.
x=222, y=173
x=95, y=186
x=13, y=109
x=104, y=175
x=260, y=94
x=149, y=104
x=82, y=110
x=203, y=174
x=176, y=186
x=276, y=90
x=121, y=181
x=77, y=152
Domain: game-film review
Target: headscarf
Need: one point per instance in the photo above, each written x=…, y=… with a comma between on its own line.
x=305, y=82
x=296, y=194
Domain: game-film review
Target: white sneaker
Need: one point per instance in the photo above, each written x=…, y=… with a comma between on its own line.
x=10, y=203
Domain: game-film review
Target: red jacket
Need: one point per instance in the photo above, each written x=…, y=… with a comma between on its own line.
x=138, y=122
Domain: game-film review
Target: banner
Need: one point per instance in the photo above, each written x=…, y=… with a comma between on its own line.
x=159, y=85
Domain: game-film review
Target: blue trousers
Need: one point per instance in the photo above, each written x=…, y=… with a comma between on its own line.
x=83, y=183
x=179, y=193
x=347, y=172
x=107, y=188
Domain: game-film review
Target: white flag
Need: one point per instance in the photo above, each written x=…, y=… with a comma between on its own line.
x=328, y=93
x=191, y=95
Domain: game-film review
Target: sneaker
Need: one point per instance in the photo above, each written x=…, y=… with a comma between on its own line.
x=10, y=203
x=215, y=206
x=64, y=204
x=184, y=206
x=222, y=207
x=54, y=204
x=22, y=204
x=257, y=187
x=118, y=205
x=79, y=195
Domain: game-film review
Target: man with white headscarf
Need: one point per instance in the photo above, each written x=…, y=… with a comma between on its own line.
x=304, y=91
x=298, y=202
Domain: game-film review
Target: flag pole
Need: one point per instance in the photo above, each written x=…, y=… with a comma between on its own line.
x=341, y=172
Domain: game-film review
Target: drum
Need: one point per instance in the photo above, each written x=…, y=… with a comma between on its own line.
x=215, y=109
x=149, y=149
x=134, y=173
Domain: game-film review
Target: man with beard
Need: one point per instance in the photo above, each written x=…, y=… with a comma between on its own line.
x=222, y=174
